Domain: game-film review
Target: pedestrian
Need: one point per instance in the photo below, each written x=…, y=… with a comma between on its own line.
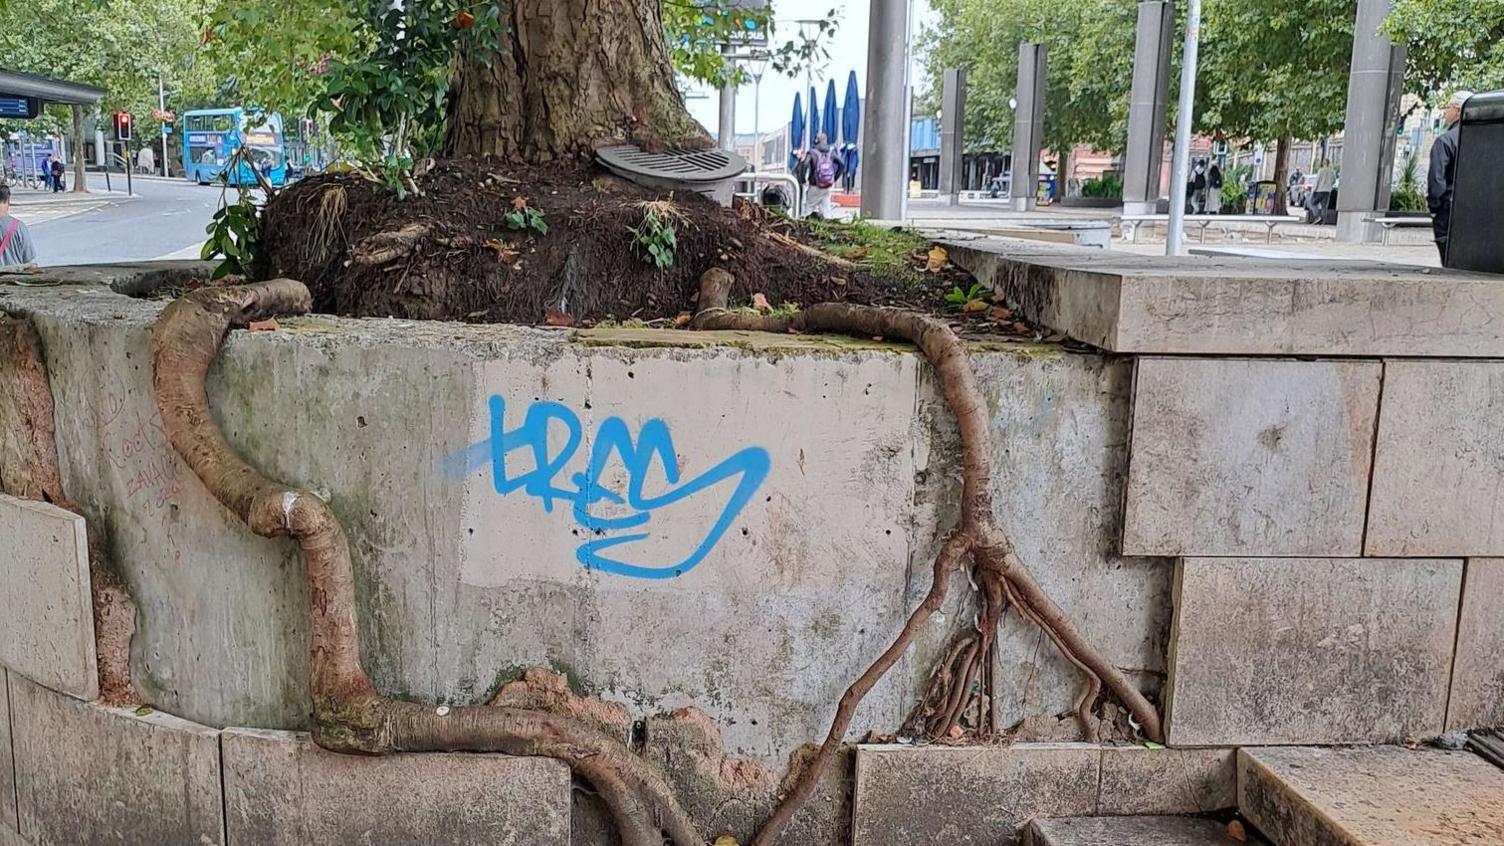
x=1198, y=187
x=16, y=248
x=44, y=170
x=1443, y=177
x=1214, y=189
x=1321, y=198
x=146, y=160
x=819, y=171
x=57, y=169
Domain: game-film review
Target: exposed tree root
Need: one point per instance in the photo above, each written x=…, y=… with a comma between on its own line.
x=29, y=469
x=997, y=570
x=391, y=245
x=348, y=714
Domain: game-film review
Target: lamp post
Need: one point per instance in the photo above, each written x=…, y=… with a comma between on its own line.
x=758, y=66
x=1174, y=243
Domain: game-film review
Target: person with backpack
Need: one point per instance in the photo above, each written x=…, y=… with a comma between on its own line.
x=16, y=248
x=57, y=169
x=1214, y=189
x=819, y=171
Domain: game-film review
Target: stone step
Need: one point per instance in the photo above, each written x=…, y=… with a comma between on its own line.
x=1371, y=796
x=1132, y=831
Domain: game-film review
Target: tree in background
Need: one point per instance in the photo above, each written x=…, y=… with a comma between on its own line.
x=1090, y=55
x=1453, y=44
x=1274, y=71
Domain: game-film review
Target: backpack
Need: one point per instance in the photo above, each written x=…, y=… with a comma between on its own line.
x=825, y=169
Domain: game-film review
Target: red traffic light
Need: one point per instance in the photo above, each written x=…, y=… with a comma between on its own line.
x=123, y=126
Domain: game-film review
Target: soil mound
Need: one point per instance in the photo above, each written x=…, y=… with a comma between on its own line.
x=450, y=252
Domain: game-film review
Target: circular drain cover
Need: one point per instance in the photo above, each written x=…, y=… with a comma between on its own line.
x=694, y=169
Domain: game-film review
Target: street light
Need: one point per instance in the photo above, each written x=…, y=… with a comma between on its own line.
x=757, y=66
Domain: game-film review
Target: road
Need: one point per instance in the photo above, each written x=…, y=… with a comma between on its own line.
x=165, y=218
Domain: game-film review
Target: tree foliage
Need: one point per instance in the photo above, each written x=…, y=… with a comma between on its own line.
x=1089, y=47
x=1274, y=69
x=1453, y=44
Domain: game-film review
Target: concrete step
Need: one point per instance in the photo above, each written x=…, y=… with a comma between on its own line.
x=1371, y=796
x=1133, y=831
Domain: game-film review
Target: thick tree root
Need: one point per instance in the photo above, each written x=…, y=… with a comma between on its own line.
x=29, y=469
x=348, y=714
x=997, y=570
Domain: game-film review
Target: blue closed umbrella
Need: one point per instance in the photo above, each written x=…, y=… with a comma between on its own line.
x=814, y=116
x=828, y=126
x=851, y=125
x=796, y=132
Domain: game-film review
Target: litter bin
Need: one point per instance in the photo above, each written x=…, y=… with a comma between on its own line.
x=1478, y=195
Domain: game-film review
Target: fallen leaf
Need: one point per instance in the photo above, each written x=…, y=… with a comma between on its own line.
x=726, y=840
x=936, y=260
x=263, y=325
x=858, y=254
x=955, y=732
x=519, y=203
x=1000, y=313
x=554, y=317
x=143, y=710
x=682, y=320
x=1149, y=744
x=1236, y=831
x=760, y=302
x=974, y=306
x=1022, y=329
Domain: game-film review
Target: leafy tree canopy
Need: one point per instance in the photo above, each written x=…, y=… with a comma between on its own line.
x=1453, y=44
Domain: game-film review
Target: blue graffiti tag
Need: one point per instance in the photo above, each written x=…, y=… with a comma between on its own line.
x=585, y=491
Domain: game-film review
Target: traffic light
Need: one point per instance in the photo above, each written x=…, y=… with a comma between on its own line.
x=123, y=126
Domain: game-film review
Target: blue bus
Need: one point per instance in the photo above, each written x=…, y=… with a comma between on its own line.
x=211, y=136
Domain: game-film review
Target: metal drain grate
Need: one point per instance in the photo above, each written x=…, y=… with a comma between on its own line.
x=696, y=169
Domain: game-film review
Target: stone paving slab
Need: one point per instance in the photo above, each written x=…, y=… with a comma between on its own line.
x=969, y=796
x=1138, y=780
x=1132, y=831
x=1439, y=461
x=1250, y=457
x=86, y=774
x=1310, y=650
x=7, y=763
x=47, y=630
x=9, y=837
x=1243, y=306
x=282, y=790
x=1376, y=796
x=1477, y=699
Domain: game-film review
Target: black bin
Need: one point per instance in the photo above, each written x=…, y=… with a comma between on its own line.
x=1477, y=231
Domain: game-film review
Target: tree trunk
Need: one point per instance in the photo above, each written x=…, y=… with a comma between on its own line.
x=80, y=183
x=570, y=76
x=1282, y=176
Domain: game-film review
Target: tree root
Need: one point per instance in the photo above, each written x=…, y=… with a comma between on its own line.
x=348, y=714
x=997, y=570
x=29, y=469
x=390, y=245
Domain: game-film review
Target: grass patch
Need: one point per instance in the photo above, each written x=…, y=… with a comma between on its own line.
x=882, y=250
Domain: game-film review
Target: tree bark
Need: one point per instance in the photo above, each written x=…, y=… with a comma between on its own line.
x=80, y=183
x=1282, y=176
x=570, y=76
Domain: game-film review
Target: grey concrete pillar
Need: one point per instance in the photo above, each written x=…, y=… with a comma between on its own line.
x=1147, y=106
x=952, y=134
x=1028, y=126
x=1372, y=112
x=885, y=130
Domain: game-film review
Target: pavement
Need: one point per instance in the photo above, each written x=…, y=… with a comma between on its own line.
x=163, y=218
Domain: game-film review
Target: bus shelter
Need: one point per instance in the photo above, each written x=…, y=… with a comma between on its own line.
x=22, y=95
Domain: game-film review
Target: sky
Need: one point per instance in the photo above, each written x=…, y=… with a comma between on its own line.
x=848, y=51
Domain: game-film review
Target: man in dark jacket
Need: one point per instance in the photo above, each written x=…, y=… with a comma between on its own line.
x=1443, y=177
x=819, y=170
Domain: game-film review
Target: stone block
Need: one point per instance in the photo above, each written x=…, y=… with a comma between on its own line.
x=1310, y=650
x=1250, y=457
x=282, y=790
x=10, y=837
x=1131, y=831
x=7, y=762
x=1140, y=781
x=107, y=777
x=969, y=796
x=1235, y=305
x=1439, y=461
x=1477, y=698
x=47, y=630
x=1377, y=796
